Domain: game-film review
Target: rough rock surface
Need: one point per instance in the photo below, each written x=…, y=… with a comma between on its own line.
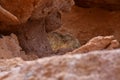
x=24, y=9
x=98, y=43
x=34, y=9
x=10, y=48
x=86, y=23
x=100, y=65
x=8, y=64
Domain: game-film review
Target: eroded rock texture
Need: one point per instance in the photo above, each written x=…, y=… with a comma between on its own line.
x=103, y=65
x=86, y=23
x=98, y=43
x=10, y=48
x=34, y=9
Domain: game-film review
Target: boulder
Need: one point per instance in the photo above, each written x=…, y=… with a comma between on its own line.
x=99, y=65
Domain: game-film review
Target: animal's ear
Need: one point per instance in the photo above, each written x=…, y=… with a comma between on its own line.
x=7, y=17
x=53, y=21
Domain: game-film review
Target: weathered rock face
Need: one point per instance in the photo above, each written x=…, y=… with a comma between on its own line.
x=22, y=9
x=98, y=43
x=86, y=23
x=103, y=65
x=8, y=64
x=34, y=9
x=99, y=17
x=10, y=48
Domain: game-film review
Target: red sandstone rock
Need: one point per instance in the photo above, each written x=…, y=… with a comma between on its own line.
x=21, y=9
x=98, y=43
x=86, y=23
x=8, y=17
x=113, y=45
x=34, y=9
x=10, y=48
x=102, y=65
x=8, y=64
